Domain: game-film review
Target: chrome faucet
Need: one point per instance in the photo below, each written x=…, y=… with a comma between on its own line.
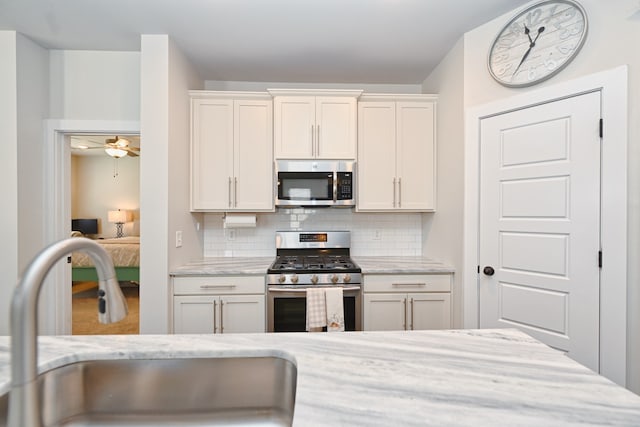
x=24, y=407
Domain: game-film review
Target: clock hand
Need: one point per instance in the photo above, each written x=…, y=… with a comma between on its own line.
x=531, y=45
x=526, y=31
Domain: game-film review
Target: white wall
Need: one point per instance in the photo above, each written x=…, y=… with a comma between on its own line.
x=182, y=78
x=442, y=233
x=613, y=28
x=23, y=106
x=102, y=85
x=95, y=190
x=372, y=234
x=8, y=173
x=165, y=78
x=33, y=106
x=263, y=86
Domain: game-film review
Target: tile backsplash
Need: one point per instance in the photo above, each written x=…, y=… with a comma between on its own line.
x=372, y=234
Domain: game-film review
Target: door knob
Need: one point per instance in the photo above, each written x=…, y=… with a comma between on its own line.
x=488, y=270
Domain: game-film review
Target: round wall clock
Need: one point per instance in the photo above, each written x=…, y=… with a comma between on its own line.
x=538, y=42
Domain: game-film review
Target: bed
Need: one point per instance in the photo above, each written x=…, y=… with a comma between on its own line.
x=125, y=254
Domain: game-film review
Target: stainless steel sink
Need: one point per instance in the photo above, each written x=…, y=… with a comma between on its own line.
x=168, y=392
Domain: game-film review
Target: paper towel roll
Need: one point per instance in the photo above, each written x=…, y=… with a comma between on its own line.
x=239, y=221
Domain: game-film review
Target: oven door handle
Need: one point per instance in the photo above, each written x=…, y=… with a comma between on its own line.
x=304, y=290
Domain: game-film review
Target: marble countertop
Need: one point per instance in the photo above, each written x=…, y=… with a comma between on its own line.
x=225, y=266
x=400, y=265
x=259, y=265
x=417, y=378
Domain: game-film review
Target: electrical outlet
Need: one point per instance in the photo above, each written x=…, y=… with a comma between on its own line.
x=231, y=234
x=178, y=239
x=377, y=235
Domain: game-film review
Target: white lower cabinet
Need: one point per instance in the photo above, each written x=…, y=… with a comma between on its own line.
x=218, y=304
x=407, y=302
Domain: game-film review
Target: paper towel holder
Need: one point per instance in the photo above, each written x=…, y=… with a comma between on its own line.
x=234, y=220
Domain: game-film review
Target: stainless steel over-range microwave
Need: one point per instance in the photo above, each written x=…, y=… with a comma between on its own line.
x=315, y=183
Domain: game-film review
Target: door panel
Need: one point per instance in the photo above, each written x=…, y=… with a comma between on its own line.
x=336, y=127
x=430, y=311
x=253, y=157
x=212, y=154
x=540, y=223
x=194, y=315
x=242, y=314
x=385, y=312
x=376, y=155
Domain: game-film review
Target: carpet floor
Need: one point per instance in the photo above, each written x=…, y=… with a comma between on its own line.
x=84, y=313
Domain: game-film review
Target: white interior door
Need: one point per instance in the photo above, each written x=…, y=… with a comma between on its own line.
x=540, y=224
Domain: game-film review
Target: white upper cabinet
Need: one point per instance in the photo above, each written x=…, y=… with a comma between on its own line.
x=396, y=153
x=231, y=151
x=315, y=125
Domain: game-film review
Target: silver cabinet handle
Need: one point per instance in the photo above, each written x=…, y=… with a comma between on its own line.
x=221, y=317
x=399, y=192
x=313, y=143
x=215, y=323
x=229, y=191
x=412, y=314
x=318, y=140
x=217, y=286
x=408, y=284
x=235, y=192
x=394, y=192
x=404, y=321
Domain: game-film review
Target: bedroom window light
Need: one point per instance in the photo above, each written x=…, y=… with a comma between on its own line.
x=118, y=217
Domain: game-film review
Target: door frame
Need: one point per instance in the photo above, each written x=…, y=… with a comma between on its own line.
x=57, y=203
x=612, y=85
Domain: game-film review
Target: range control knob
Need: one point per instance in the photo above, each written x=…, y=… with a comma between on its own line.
x=334, y=278
x=347, y=278
x=294, y=278
x=282, y=278
x=314, y=279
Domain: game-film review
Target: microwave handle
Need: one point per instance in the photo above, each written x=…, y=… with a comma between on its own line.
x=335, y=186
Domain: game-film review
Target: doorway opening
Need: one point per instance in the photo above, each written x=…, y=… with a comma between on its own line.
x=105, y=206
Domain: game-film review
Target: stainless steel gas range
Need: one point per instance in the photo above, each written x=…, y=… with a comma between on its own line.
x=311, y=259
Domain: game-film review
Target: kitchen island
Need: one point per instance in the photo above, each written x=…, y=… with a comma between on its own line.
x=414, y=378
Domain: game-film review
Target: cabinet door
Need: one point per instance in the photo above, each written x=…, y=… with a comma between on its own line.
x=294, y=127
x=385, y=312
x=211, y=153
x=416, y=156
x=253, y=155
x=376, y=167
x=242, y=314
x=336, y=124
x=429, y=311
x=195, y=314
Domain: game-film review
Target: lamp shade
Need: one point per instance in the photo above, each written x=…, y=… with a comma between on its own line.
x=117, y=216
x=116, y=152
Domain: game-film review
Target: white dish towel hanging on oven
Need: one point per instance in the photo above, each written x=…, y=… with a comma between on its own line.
x=335, y=309
x=325, y=308
x=316, y=310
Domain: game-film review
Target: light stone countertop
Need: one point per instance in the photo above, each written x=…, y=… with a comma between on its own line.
x=225, y=266
x=417, y=378
x=400, y=265
x=258, y=266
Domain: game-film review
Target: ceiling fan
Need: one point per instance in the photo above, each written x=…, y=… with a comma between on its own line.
x=119, y=147
x=115, y=147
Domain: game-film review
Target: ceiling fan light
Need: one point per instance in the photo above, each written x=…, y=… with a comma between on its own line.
x=115, y=152
x=121, y=142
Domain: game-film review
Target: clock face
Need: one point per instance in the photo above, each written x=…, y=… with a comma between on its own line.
x=538, y=43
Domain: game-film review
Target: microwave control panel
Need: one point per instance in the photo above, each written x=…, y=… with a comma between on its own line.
x=344, y=186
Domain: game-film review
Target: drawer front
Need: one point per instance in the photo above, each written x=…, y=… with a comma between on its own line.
x=219, y=285
x=407, y=283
